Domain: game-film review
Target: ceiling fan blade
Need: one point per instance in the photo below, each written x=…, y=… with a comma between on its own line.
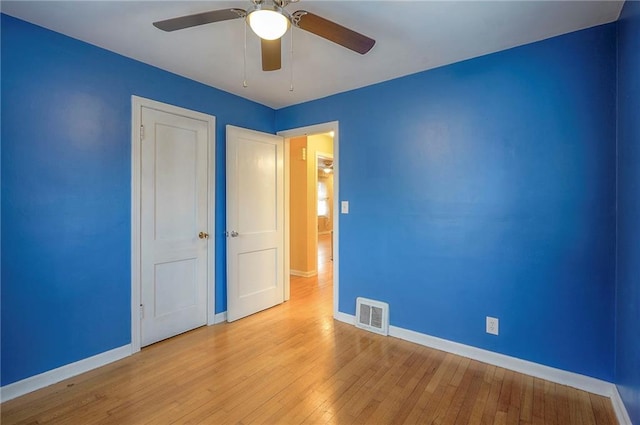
x=271, y=54
x=332, y=31
x=199, y=19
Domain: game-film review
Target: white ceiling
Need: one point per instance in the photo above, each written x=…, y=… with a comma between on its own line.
x=411, y=36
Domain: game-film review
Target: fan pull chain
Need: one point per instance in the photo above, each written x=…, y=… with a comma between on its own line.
x=291, y=60
x=244, y=66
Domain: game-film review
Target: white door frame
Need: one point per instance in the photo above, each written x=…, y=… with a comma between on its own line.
x=307, y=131
x=136, y=106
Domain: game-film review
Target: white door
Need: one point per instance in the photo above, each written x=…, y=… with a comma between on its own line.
x=173, y=225
x=255, y=221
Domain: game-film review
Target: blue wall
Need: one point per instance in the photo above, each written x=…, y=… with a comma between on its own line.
x=486, y=187
x=628, y=272
x=66, y=172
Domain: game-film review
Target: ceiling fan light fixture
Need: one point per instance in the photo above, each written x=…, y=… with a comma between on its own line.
x=269, y=22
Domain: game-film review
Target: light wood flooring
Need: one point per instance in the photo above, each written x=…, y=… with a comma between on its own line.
x=294, y=364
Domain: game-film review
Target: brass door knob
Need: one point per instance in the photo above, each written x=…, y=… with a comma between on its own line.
x=203, y=235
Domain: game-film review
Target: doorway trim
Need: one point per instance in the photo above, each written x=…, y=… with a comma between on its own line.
x=307, y=131
x=136, y=116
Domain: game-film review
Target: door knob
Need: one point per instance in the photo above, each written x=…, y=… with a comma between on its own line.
x=234, y=234
x=203, y=235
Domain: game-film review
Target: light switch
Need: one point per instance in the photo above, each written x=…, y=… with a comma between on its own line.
x=344, y=207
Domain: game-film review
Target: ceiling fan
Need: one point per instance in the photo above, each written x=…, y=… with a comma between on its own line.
x=270, y=21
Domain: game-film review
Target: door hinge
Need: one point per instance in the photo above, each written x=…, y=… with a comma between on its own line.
x=141, y=311
x=141, y=132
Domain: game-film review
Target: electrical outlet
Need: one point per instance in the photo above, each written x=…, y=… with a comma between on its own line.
x=493, y=325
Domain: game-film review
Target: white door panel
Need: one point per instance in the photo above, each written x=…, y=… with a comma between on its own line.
x=174, y=210
x=255, y=221
x=258, y=177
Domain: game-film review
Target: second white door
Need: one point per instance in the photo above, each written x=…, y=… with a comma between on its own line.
x=255, y=221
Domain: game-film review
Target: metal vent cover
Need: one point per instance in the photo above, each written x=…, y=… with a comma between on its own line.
x=372, y=315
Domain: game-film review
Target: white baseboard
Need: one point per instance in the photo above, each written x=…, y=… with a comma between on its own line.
x=345, y=318
x=619, y=408
x=537, y=370
x=563, y=377
x=220, y=317
x=303, y=274
x=53, y=376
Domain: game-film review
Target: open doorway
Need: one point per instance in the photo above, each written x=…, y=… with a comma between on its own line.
x=311, y=155
x=311, y=198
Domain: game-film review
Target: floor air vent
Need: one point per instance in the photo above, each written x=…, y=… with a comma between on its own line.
x=372, y=315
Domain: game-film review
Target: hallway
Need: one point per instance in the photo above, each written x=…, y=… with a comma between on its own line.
x=321, y=285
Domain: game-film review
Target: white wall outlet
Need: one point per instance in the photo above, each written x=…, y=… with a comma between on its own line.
x=493, y=325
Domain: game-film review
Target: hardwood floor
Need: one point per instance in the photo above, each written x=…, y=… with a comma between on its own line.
x=293, y=364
